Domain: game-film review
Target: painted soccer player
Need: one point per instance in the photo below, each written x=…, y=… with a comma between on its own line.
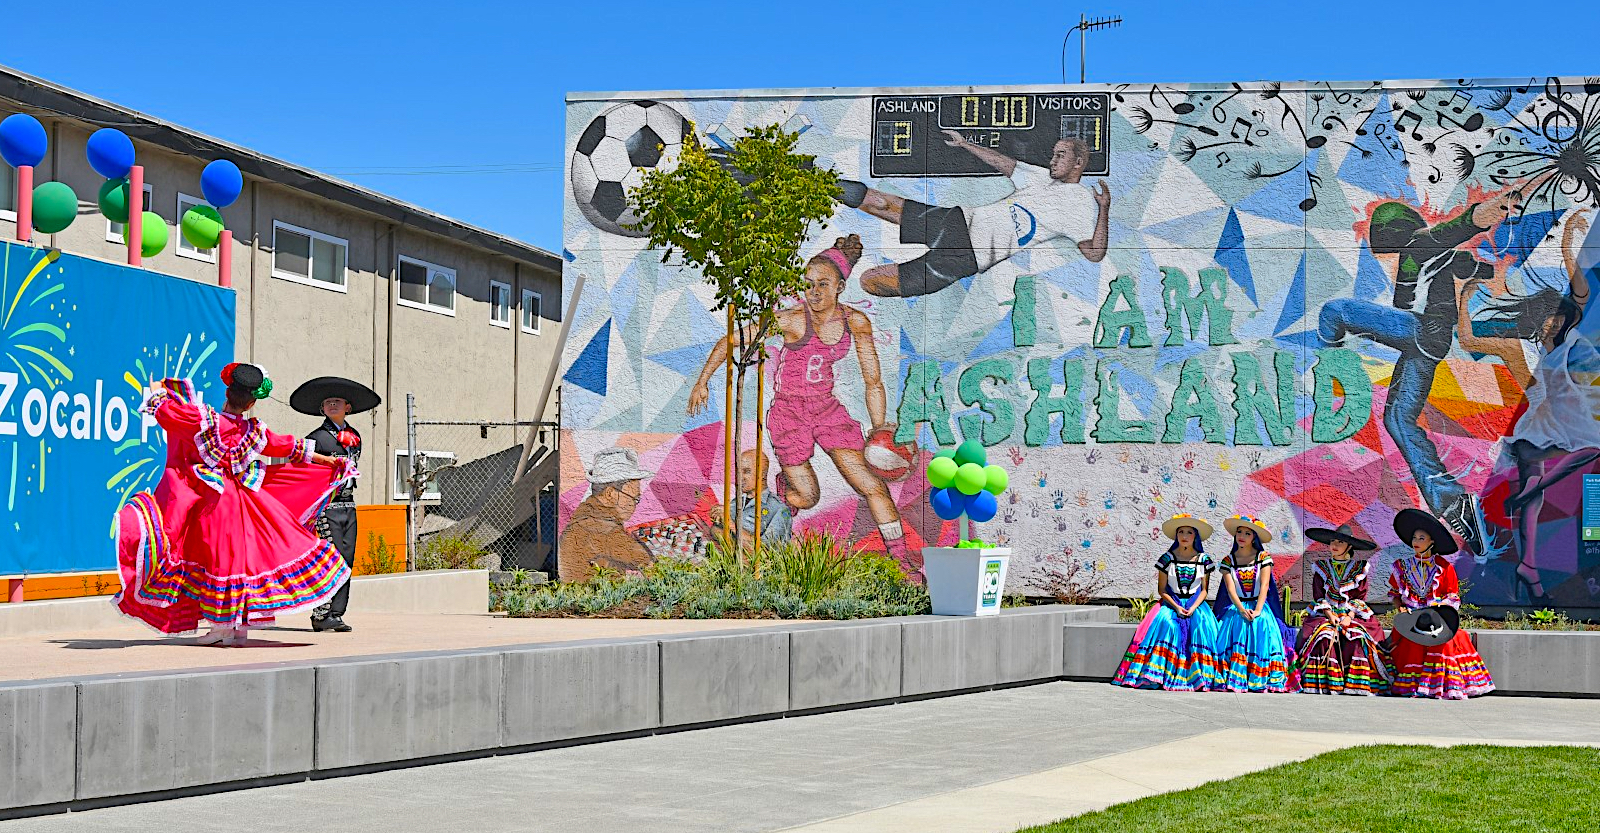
x=806, y=413
x=1047, y=203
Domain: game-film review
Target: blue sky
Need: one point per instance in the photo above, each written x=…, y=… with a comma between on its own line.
x=356, y=87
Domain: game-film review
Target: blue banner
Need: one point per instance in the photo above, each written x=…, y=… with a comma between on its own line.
x=83, y=339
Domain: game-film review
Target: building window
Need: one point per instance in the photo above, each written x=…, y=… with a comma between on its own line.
x=114, y=230
x=432, y=461
x=186, y=202
x=8, y=192
x=500, y=304
x=532, y=311
x=427, y=286
x=305, y=256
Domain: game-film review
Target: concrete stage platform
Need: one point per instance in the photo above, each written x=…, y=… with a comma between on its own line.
x=123, y=648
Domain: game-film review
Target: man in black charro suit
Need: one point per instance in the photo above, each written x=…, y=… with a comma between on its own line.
x=336, y=399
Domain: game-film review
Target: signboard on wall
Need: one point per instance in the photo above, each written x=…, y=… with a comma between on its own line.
x=82, y=340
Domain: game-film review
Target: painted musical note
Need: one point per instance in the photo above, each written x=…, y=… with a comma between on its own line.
x=1361, y=129
x=1217, y=111
x=1223, y=158
x=1473, y=123
x=1416, y=122
x=1342, y=98
x=1245, y=136
x=1460, y=95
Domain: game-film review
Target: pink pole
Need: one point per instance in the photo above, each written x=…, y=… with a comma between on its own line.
x=25, y=203
x=225, y=259
x=132, y=231
x=14, y=592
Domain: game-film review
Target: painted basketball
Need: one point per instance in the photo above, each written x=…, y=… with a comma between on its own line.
x=888, y=459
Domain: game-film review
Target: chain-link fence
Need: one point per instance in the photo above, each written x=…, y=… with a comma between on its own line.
x=469, y=506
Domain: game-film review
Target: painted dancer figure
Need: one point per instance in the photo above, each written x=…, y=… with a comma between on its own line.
x=1174, y=648
x=1545, y=443
x=1420, y=324
x=1250, y=632
x=1047, y=203
x=1449, y=671
x=1341, y=640
x=805, y=413
x=225, y=538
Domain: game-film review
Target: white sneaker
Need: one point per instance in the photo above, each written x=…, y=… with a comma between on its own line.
x=238, y=638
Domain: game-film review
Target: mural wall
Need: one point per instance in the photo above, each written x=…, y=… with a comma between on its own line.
x=1312, y=303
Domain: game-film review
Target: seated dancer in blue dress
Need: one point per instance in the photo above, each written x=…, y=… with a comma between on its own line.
x=1251, y=642
x=1175, y=646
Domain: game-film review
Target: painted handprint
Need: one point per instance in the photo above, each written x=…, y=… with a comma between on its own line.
x=1009, y=516
x=1188, y=461
x=1182, y=502
x=1224, y=462
x=1155, y=494
x=1211, y=501
x=1061, y=524
x=1082, y=497
x=1110, y=500
x=1060, y=499
x=1016, y=456
x=1166, y=474
x=1092, y=457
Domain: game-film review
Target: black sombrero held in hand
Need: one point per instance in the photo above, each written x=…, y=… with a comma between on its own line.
x=1323, y=535
x=308, y=398
x=1428, y=626
x=1411, y=520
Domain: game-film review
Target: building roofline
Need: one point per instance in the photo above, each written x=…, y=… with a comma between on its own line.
x=1096, y=87
x=40, y=95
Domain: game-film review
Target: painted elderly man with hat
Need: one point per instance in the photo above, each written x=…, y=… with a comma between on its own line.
x=598, y=532
x=336, y=399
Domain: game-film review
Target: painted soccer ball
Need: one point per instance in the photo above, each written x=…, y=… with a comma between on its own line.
x=613, y=154
x=888, y=459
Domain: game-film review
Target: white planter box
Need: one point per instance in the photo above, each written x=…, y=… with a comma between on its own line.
x=965, y=582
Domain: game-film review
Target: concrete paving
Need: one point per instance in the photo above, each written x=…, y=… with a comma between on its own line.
x=128, y=646
x=1031, y=754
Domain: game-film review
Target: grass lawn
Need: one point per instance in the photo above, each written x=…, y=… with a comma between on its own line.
x=1378, y=789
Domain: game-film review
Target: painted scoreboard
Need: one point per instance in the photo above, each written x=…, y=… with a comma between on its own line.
x=909, y=131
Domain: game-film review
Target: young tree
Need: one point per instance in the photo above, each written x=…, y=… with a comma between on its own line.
x=740, y=218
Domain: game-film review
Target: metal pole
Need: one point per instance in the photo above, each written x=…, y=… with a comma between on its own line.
x=551, y=373
x=413, y=482
x=1083, y=38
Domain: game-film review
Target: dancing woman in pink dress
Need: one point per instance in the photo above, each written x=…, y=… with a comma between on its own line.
x=225, y=537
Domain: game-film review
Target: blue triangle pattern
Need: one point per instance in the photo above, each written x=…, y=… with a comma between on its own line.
x=1231, y=256
x=1371, y=282
x=1376, y=167
x=1280, y=198
x=1517, y=239
x=1294, y=305
x=588, y=371
x=998, y=340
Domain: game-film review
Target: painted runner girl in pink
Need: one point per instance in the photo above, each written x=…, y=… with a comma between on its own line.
x=806, y=413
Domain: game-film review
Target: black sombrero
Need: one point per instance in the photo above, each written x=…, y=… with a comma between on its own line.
x=1323, y=535
x=308, y=398
x=1428, y=626
x=1411, y=520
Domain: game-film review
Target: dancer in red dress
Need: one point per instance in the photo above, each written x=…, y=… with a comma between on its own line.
x=225, y=537
x=1454, y=670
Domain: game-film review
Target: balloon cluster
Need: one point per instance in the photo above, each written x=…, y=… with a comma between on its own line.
x=965, y=484
x=23, y=143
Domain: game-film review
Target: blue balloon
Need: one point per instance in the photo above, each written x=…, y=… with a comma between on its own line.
x=221, y=183
x=23, y=141
x=982, y=507
x=947, y=503
x=110, y=153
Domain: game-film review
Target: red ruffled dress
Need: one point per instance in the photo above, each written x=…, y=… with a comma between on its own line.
x=1452, y=671
x=224, y=537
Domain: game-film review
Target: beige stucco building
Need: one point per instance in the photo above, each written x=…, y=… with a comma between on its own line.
x=332, y=279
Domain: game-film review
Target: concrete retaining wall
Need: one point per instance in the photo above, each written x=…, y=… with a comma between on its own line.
x=434, y=591
x=73, y=741
x=1521, y=662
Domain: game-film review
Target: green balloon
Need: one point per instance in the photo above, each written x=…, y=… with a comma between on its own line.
x=54, y=207
x=941, y=472
x=152, y=234
x=971, y=451
x=995, y=479
x=949, y=453
x=113, y=200
x=969, y=479
x=201, y=226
